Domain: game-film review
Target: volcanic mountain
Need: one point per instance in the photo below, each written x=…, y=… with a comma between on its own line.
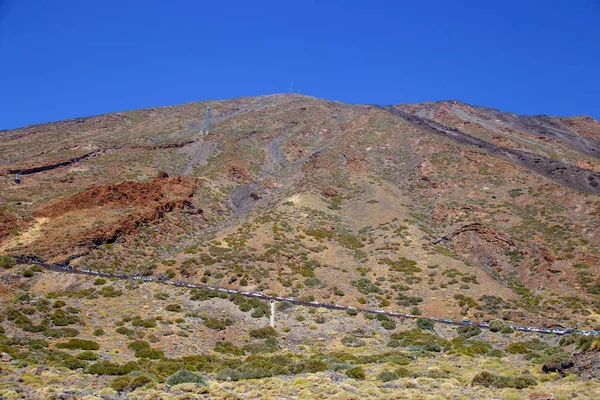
x=441, y=208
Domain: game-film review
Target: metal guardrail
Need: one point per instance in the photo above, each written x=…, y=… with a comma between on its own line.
x=69, y=269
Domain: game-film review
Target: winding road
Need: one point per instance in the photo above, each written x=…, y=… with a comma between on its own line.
x=484, y=325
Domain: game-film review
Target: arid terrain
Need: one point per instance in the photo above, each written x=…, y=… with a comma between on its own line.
x=442, y=209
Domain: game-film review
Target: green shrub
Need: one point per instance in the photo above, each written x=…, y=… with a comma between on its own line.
x=142, y=349
x=365, y=286
x=185, y=376
x=87, y=355
x=356, y=373
x=352, y=341
x=120, y=383
x=124, y=331
x=108, y=368
x=389, y=325
x=233, y=374
x=470, y=348
x=174, y=308
x=467, y=331
x=352, y=313
x=27, y=273
x=217, y=324
x=229, y=348
x=37, y=344
x=109, y=291
x=403, y=264
x=489, y=380
x=60, y=318
x=284, y=305
x=402, y=372
x=144, y=323
x=517, y=348
x=416, y=337
x=59, y=303
x=425, y=324
x=99, y=281
x=258, y=313
x=496, y=325
x=80, y=344
x=161, y=296
x=203, y=294
x=98, y=332
x=263, y=333
x=7, y=262
x=495, y=353
x=73, y=363
x=270, y=345
x=140, y=380
x=61, y=332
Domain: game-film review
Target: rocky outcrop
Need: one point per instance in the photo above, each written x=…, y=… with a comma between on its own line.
x=486, y=233
x=587, y=363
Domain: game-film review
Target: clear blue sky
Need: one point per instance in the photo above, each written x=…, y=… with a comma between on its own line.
x=67, y=58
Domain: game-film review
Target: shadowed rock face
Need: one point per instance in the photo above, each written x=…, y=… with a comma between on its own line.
x=581, y=134
x=570, y=176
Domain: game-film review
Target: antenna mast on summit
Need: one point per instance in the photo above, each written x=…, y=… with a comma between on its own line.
x=206, y=125
x=261, y=106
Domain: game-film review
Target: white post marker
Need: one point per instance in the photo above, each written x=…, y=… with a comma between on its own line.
x=272, y=313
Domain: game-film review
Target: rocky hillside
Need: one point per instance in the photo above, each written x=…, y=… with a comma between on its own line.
x=410, y=205
x=436, y=209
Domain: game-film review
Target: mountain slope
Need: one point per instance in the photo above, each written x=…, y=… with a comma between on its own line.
x=444, y=208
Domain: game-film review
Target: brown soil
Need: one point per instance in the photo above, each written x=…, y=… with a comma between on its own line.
x=102, y=214
x=163, y=194
x=8, y=221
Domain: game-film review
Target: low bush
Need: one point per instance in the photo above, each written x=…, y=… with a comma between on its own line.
x=489, y=380
x=61, y=332
x=389, y=325
x=467, y=331
x=124, y=331
x=496, y=325
x=109, y=368
x=73, y=363
x=217, y=324
x=174, y=308
x=403, y=372
x=356, y=373
x=258, y=313
x=263, y=333
x=7, y=262
x=120, y=383
x=228, y=348
x=517, y=348
x=352, y=341
x=185, y=376
x=284, y=305
x=79, y=344
x=140, y=381
x=99, y=281
x=425, y=324
x=229, y=373
x=144, y=323
x=87, y=355
x=142, y=349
